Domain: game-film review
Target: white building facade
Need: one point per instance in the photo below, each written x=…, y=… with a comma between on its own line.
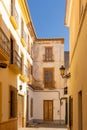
x=47, y=87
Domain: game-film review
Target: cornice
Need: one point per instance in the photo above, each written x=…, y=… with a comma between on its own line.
x=24, y=10
x=31, y=30
x=50, y=40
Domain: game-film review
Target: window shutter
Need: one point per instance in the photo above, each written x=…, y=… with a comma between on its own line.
x=13, y=102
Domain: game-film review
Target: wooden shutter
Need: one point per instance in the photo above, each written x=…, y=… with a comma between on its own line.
x=48, y=78
x=13, y=102
x=48, y=53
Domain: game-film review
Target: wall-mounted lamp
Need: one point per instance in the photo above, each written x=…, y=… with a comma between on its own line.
x=62, y=72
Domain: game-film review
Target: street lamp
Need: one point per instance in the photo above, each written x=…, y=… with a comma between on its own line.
x=62, y=72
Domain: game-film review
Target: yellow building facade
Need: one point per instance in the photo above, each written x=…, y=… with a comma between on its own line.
x=15, y=62
x=76, y=20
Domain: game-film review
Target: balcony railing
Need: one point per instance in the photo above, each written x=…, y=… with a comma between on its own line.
x=16, y=63
x=4, y=43
x=48, y=58
x=49, y=85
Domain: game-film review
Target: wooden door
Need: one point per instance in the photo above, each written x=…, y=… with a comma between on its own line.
x=20, y=110
x=48, y=110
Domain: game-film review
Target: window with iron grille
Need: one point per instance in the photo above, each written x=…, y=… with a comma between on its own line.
x=48, y=78
x=48, y=54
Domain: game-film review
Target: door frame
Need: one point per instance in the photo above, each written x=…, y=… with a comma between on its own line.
x=44, y=109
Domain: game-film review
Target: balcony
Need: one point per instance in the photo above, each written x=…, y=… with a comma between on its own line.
x=14, y=18
x=4, y=47
x=48, y=58
x=25, y=74
x=24, y=39
x=49, y=84
x=16, y=64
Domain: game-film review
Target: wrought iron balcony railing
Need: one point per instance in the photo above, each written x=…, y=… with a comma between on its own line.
x=49, y=84
x=4, y=43
x=48, y=58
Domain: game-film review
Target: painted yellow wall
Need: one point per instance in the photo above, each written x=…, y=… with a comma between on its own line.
x=78, y=62
x=7, y=76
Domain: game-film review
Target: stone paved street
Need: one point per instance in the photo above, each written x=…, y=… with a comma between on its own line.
x=45, y=126
x=42, y=128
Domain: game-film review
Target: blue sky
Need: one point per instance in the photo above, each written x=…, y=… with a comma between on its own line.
x=48, y=19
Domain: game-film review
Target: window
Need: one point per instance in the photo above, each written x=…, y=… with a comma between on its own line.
x=13, y=102
x=12, y=3
x=28, y=44
x=48, y=54
x=24, y=34
x=48, y=78
x=22, y=61
x=31, y=109
x=22, y=28
x=4, y=42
